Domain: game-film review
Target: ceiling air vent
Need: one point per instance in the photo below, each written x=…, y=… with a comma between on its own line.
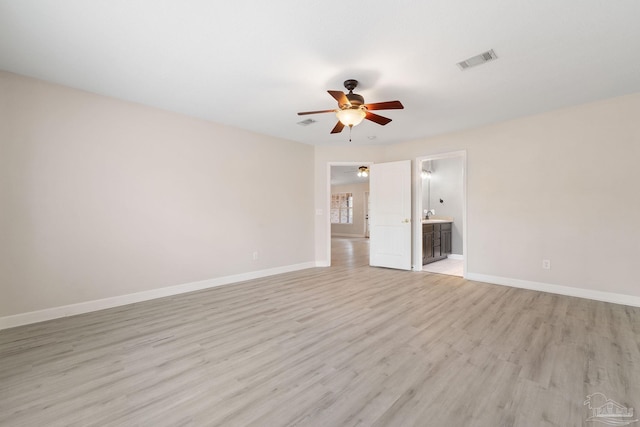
x=306, y=122
x=487, y=56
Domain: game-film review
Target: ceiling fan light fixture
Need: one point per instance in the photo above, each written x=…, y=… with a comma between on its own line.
x=352, y=109
x=363, y=171
x=351, y=116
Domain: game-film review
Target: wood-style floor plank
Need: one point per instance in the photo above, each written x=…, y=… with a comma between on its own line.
x=348, y=345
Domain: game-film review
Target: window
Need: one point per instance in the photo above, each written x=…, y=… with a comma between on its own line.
x=342, y=208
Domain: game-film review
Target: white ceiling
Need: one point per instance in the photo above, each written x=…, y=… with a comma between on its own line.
x=346, y=174
x=254, y=64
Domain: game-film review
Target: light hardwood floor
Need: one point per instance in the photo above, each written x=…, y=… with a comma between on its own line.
x=348, y=345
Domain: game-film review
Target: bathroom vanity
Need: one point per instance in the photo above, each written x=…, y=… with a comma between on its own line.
x=436, y=240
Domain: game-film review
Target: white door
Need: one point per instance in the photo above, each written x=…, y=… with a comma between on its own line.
x=367, y=208
x=390, y=215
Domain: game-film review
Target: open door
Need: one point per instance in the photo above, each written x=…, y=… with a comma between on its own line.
x=390, y=215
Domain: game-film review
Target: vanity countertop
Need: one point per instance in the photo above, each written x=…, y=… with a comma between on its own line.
x=436, y=221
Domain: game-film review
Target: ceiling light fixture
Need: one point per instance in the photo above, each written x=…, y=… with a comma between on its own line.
x=351, y=116
x=363, y=171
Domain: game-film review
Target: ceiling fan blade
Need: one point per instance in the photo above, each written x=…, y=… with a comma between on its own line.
x=389, y=105
x=377, y=119
x=338, y=127
x=340, y=97
x=316, y=112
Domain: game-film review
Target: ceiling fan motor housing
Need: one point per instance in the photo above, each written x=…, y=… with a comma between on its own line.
x=355, y=99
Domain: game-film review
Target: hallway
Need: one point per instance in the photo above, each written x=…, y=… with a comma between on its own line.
x=349, y=252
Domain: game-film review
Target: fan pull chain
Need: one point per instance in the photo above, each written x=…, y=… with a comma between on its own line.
x=350, y=127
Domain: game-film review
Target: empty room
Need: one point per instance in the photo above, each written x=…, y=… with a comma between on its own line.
x=335, y=214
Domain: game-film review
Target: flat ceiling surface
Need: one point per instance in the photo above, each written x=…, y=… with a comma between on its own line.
x=254, y=64
x=346, y=174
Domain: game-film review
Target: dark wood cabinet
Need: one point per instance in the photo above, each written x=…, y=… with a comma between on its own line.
x=446, y=241
x=427, y=245
x=436, y=242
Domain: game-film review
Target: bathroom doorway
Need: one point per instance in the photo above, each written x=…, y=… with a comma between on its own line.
x=440, y=210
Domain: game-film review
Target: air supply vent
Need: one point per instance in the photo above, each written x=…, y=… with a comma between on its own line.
x=306, y=122
x=487, y=56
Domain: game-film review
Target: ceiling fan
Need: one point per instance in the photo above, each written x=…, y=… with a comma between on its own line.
x=352, y=109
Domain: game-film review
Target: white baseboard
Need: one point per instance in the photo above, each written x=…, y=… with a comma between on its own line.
x=346, y=235
x=323, y=264
x=456, y=256
x=558, y=289
x=101, y=304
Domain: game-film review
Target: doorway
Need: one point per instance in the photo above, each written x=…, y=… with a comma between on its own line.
x=440, y=193
x=347, y=210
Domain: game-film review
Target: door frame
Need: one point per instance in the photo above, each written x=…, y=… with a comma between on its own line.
x=417, y=206
x=327, y=222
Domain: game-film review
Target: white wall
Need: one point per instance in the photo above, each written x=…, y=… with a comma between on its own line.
x=358, y=227
x=446, y=184
x=101, y=198
x=561, y=186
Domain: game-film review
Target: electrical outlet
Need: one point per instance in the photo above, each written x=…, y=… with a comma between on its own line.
x=256, y=255
x=546, y=264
